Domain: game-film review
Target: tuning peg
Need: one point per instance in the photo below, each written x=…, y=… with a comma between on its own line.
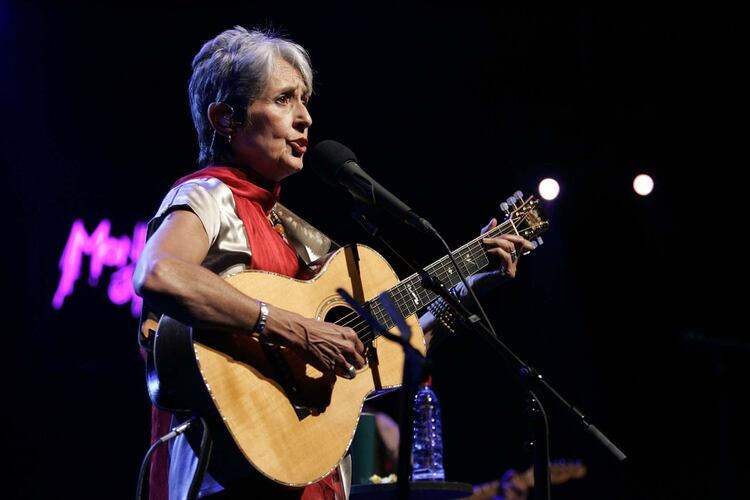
x=539, y=241
x=519, y=195
x=505, y=208
x=512, y=201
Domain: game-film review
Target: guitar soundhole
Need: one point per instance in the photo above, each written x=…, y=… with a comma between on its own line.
x=344, y=316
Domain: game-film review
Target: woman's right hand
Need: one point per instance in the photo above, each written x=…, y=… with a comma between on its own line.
x=329, y=346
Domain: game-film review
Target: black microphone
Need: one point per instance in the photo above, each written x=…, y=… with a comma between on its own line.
x=336, y=164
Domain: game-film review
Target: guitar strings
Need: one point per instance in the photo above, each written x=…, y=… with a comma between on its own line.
x=360, y=326
x=442, y=273
x=401, y=301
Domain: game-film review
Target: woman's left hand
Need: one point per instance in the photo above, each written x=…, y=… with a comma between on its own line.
x=507, y=248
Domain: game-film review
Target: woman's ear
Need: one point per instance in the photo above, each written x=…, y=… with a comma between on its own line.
x=220, y=116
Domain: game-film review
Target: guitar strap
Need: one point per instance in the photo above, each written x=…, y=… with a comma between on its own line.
x=310, y=243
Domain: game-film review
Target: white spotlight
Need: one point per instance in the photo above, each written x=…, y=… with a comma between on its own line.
x=549, y=189
x=643, y=184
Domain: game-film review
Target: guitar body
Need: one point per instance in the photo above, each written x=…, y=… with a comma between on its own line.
x=292, y=422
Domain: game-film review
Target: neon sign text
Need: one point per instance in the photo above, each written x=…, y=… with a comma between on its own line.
x=103, y=250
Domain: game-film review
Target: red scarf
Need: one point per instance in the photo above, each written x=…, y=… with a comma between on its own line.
x=253, y=198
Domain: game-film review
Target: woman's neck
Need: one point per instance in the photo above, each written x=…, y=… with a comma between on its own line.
x=252, y=175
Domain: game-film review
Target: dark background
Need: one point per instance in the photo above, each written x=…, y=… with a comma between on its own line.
x=625, y=309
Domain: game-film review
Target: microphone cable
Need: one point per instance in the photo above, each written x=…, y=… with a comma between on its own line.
x=204, y=456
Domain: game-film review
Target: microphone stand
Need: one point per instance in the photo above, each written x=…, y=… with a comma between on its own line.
x=415, y=372
x=533, y=379
x=530, y=376
x=538, y=421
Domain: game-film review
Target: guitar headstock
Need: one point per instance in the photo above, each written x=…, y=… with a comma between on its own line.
x=564, y=470
x=560, y=471
x=526, y=216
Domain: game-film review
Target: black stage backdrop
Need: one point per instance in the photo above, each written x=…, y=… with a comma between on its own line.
x=453, y=107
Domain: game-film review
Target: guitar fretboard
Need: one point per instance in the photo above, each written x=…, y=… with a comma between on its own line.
x=410, y=296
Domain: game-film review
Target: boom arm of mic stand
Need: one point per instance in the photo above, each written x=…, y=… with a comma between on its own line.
x=486, y=333
x=541, y=469
x=538, y=416
x=528, y=373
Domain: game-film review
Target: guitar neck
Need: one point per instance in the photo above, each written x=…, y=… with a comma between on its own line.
x=410, y=296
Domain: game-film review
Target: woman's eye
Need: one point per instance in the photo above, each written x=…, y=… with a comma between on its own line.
x=282, y=99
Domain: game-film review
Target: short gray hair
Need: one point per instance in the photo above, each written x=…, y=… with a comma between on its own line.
x=234, y=68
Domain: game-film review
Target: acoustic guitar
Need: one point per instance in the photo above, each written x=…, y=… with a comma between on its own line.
x=291, y=421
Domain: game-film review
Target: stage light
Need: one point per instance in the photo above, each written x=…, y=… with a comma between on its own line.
x=549, y=189
x=643, y=184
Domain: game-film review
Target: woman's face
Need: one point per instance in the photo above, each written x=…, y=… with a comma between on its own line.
x=274, y=140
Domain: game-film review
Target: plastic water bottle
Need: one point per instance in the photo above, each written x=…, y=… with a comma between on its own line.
x=427, y=443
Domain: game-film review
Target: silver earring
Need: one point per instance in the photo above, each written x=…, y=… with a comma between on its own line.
x=213, y=138
x=229, y=138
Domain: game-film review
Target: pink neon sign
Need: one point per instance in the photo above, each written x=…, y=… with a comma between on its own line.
x=104, y=251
